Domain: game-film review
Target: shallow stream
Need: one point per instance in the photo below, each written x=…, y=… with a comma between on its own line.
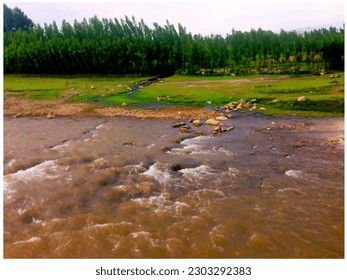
x=129, y=188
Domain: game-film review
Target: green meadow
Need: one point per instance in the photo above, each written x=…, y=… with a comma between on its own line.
x=277, y=94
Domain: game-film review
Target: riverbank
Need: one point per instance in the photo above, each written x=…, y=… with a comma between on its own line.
x=19, y=107
x=173, y=97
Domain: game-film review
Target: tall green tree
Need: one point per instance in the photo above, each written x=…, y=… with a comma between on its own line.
x=15, y=19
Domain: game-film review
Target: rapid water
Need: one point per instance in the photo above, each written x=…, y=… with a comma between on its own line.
x=128, y=188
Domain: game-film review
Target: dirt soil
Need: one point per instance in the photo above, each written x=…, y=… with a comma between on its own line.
x=18, y=107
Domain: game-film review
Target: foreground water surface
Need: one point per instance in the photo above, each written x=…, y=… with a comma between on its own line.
x=129, y=188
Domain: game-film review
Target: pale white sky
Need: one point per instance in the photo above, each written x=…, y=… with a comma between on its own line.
x=204, y=17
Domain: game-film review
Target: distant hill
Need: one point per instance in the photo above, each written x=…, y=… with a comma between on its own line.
x=337, y=24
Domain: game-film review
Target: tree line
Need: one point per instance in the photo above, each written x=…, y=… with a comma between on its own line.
x=112, y=46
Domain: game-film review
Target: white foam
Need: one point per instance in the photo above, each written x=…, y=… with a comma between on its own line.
x=294, y=173
x=156, y=201
x=210, y=193
x=10, y=164
x=30, y=240
x=195, y=140
x=102, y=225
x=45, y=170
x=161, y=203
x=150, y=146
x=8, y=192
x=198, y=172
x=62, y=146
x=290, y=190
x=139, y=233
x=135, y=167
x=120, y=187
x=223, y=150
x=193, y=149
x=163, y=177
x=233, y=171
x=191, y=146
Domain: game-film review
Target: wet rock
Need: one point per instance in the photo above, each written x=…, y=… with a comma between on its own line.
x=50, y=116
x=229, y=127
x=197, y=123
x=217, y=129
x=221, y=118
x=179, y=124
x=30, y=214
x=229, y=116
x=302, y=98
x=247, y=105
x=185, y=129
x=198, y=133
x=212, y=122
x=231, y=105
x=239, y=106
x=128, y=144
x=165, y=149
x=221, y=128
x=176, y=167
x=242, y=101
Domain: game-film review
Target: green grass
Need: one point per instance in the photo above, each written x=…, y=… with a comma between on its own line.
x=325, y=95
x=73, y=87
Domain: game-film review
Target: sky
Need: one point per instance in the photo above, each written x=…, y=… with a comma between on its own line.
x=199, y=17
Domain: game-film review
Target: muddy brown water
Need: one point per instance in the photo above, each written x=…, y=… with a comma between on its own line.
x=129, y=188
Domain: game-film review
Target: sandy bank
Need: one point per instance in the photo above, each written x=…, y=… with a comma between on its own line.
x=25, y=108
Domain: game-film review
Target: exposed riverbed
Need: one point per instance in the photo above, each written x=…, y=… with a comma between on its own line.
x=129, y=188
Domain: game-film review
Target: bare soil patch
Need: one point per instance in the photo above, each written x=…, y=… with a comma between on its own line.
x=18, y=107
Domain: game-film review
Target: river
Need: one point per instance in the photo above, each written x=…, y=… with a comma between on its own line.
x=129, y=188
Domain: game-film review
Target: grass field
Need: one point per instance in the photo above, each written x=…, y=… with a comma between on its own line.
x=277, y=94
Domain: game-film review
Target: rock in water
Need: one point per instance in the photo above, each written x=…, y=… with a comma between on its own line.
x=179, y=124
x=185, y=130
x=165, y=149
x=221, y=118
x=199, y=133
x=212, y=122
x=197, y=123
x=229, y=127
